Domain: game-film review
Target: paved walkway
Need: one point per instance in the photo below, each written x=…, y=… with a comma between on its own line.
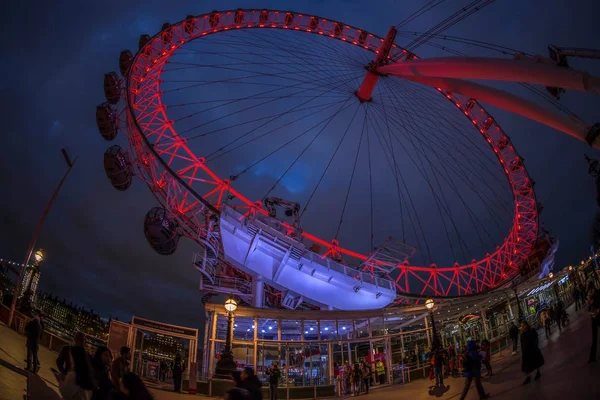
x=565, y=375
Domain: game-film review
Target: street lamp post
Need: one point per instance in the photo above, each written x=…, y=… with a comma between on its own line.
x=226, y=364
x=429, y=304
x=35, y=236
x=514, y=287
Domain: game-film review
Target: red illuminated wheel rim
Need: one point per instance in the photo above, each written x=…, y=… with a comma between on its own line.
x=187, y=183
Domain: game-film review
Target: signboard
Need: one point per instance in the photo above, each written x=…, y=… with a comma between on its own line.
x=193, y=375
x=118, y=335
x=165, y=328
x=152, y=370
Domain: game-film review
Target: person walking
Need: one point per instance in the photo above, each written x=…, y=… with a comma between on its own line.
x=545, y=320
x=380, y=369
x=594, y=309
x=355, y=379
x=513, y=332
x=472, y=371
x=178, y=369
x=486, y=347
x=532, y=358
x=33, y=332
x=274, y=375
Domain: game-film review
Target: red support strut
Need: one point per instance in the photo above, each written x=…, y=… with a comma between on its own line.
x=371, y=76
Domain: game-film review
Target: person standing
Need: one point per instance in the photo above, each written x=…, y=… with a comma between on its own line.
x=119, y=367
x=33, y=332
x=594, y=309
x=101, y=363
x=513, y=332
x=532, y=358
x=274, y=375
x=76, y=379
x=472, y=371
x=438, y=365
x=380, y=368
x=366, y=376
x=577, y=298
x=178, y=369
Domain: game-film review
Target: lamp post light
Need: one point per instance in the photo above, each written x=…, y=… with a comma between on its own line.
x=28, y=255
x=226, y=364
x=514, y=287
x=38, y=256
x=430, y=304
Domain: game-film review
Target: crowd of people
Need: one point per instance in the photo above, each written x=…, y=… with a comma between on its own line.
x=82, y=376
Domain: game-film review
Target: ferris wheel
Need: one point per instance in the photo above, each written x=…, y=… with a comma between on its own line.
x=343, y=148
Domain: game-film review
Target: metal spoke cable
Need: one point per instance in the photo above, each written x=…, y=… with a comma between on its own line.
x=394, y=167
x=419, y=12
x=362, y=132
x=445, y=150
x=330, y=161
x=214, y=156
x=444, y=25
x=279, y=127
x=326, y=120
x=237, y=112
x=469, y=144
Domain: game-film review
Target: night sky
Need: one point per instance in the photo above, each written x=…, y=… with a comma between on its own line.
x=54, y=58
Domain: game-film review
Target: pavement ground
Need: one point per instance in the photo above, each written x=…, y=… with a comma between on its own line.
x=566, y=374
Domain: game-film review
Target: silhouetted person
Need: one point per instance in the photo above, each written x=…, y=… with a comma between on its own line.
x=274, y=375
x=594, y=309
x=119, y=367
x=133, y=388
x=251, y=383
x=76, y=377
x=177, y=372
x=33, y=332
x=513, y=332
x=532, y=358
x=237, y=392
x=101, y=362
x=472, y=371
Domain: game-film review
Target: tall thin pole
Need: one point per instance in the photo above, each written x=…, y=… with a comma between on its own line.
x=35, y=236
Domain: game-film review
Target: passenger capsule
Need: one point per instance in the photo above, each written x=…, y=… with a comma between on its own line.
x=362, y=38
x=314, y=23
x=214, y=18
x=167, y=33
x=112, y=87
x=106, y=119
x=162, y=231
x=263, y=17
x=189, y=25
x=338, y=28
x=117, y=168
x=238, y=18
x=144, y=39
x=125, y=61
x=289, y=19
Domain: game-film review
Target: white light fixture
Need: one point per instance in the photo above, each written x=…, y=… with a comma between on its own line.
x=230, y=305
x=429, y=304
